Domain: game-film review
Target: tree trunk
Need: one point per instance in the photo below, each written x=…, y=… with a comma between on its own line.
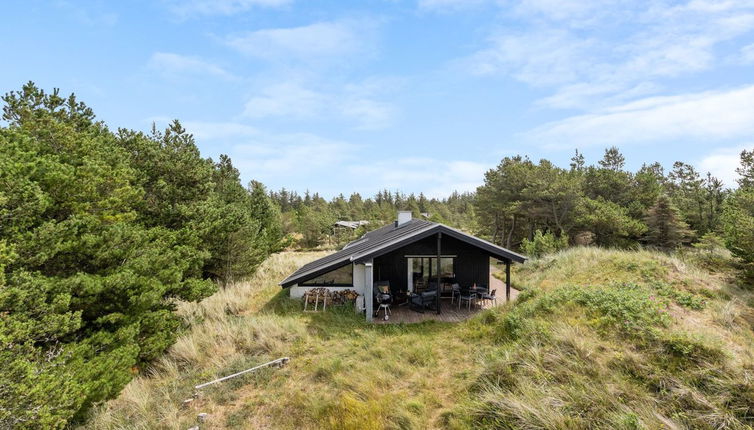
x=510, y=232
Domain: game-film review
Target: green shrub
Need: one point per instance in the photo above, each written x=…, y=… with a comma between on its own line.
x=682, y=298
x=543, y=244
x=630, y=308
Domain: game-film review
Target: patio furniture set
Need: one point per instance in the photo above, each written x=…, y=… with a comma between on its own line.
x=474, y=296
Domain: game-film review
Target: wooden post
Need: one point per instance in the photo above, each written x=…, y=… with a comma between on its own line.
x=439, y=285
x=507, y=280
x=368, y=290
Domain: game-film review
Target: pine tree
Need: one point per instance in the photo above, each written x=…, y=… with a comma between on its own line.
x=613, y=159
x=101, y=234
x=746, y=169
x=666, y=230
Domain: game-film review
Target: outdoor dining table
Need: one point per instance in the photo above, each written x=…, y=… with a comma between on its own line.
x=478, y=291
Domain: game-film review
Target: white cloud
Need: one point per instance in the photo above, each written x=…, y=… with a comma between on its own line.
x=590, y=52
x=171, y=64
x=219, y=130
x=747, y=54
x=718, y=115
x=90, y=15
x=572, y=12
x=723, y=162
x=286, y=99
x=328, y=165
x=310, y=42
x=450, y=5
x=437, y=178
x=546, y=58
x=369, y=114
x=596, y=95
x=355, y=102
x=275, y=157
x=186, y=8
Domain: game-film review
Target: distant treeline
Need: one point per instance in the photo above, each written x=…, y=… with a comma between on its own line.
x=101, y=233
x=537, y=207
x=309, y=218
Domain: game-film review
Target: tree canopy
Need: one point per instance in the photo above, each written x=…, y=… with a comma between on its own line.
x=101, y=233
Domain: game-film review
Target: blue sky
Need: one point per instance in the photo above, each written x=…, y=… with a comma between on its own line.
x=343, y=96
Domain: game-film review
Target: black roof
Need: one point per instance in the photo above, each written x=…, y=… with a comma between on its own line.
x=387, y=238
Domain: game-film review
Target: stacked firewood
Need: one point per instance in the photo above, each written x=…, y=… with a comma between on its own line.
x=326, y=297
x=344, y=296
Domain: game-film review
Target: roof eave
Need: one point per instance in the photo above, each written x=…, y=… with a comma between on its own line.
x=437, y=227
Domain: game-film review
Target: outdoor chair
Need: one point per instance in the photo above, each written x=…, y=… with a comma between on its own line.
x=423, y=300
x=467, y=295
x=455, y=292
x=491, y=297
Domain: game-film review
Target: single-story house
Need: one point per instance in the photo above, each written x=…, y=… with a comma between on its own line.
x=405, y=256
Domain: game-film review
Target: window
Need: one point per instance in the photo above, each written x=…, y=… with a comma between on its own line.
x=425, y=268
x=340, y=277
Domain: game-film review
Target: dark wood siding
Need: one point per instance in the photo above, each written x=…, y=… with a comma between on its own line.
x=471, y=265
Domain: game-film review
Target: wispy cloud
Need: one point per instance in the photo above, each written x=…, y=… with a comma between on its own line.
x=187, y=8
x=290, y=159
x=207, y=130
x=309, y=42
x=723, y=162
x=285, y=99
x=717, y=115
x=587, y=52
x=356, y=102
x=171, y=65
x=89, y=15
x=420, y=173
x=747, y=54
x=450, y=5
x=574, y=13
x=276, y=157
x=542, y=59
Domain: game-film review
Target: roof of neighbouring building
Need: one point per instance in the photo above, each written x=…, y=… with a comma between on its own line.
x=388, y=238
x=351, y=224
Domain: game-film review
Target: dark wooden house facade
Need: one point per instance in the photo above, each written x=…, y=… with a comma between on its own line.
x=410, y=256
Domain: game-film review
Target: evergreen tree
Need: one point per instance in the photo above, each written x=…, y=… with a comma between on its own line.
x=578, y=162
x=746, y=169
x=101, y=234
x=613, y=159
x=738, y=215
x=665, y=229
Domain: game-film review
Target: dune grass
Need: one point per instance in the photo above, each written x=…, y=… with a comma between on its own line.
x=598, y=339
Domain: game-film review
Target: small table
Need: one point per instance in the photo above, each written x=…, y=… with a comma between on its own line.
x=402, y=298
x=478, y=293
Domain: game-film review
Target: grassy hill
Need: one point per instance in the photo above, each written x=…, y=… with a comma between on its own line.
x=597, y=339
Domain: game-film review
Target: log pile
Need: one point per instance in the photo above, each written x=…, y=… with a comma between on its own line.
x=322, y=296
x=344, y=296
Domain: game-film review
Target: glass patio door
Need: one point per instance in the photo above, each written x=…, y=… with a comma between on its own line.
x=424, y=269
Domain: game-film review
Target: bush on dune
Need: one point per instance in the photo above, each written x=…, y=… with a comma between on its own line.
x=612, y=354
